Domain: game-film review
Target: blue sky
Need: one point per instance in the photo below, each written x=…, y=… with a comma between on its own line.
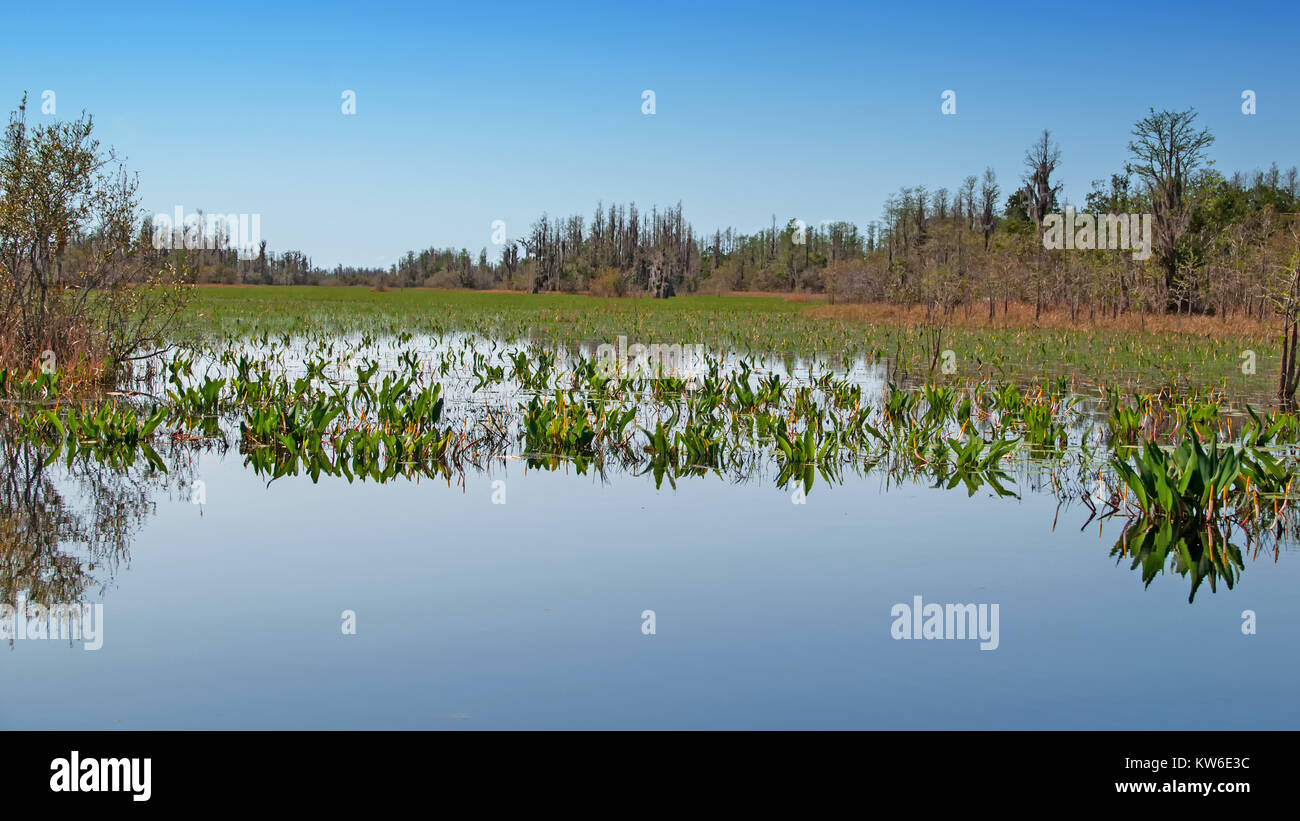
x=469, y=113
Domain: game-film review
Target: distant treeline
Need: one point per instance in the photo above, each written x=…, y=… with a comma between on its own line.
x=1220, y=244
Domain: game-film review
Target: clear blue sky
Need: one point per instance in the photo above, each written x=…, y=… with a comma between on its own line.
x=472, y=112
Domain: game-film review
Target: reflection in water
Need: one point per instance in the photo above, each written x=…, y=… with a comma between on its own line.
x=72, y=499
x=66, y=526
x=1203, y=553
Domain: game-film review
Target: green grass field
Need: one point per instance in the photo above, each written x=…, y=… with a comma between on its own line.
x=749, y=325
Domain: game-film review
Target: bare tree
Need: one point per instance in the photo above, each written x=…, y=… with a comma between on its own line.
x=1287, y=302
x=1040, y=195
x=1167, y=150
x=1041, y=161
x=988, y=203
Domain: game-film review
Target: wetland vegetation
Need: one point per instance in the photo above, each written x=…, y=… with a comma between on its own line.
x=540, y=407
x=1186, y=474
x=1172, y=429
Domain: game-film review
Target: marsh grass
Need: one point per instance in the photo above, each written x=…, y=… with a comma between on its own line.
x=1177, y=356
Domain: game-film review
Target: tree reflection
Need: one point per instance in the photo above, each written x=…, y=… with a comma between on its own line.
x=67, y=526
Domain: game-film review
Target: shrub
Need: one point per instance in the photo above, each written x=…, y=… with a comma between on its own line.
x=76, y=277
x=608, y=283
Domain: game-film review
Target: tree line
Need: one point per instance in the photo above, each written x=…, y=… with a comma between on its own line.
x=1220, y=244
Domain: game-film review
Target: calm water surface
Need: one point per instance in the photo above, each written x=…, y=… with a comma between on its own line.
x=528, y=614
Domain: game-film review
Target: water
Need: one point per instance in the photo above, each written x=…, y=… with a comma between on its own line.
x=471, y=613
